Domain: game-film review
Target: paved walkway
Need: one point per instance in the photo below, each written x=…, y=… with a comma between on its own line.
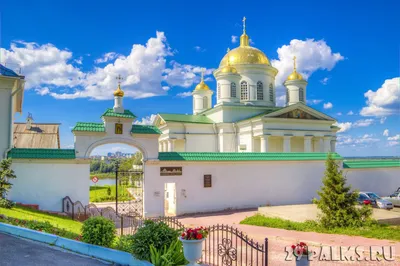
x=18, y=252
x=280, y=238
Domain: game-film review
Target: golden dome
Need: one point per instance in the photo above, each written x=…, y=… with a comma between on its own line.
x=295, y=75
x=118, y=92
x=244, y=54
x=229, y=69
x=202, y=85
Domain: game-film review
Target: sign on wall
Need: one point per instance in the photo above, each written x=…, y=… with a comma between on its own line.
x=118, y=128
x=168, y=171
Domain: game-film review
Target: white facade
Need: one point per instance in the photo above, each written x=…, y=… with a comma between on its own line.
x=47, y=182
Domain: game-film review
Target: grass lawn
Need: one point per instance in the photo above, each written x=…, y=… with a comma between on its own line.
x=28, y=214
x=378, y=231
x=101, y=193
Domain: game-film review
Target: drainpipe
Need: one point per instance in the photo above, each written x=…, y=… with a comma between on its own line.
x=12, y=122
x=235, y=134
x=216, y=134
x=184, y=134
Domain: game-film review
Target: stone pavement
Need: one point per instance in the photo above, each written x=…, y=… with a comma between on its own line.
x=21, y=252
x=280, y=238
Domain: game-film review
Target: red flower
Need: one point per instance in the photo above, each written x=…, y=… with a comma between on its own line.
x=199, y=236
x=298, y=252
x=293, y=246
x=183, y=235
x=302, y=244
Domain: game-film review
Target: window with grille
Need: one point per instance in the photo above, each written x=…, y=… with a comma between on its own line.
x=207, y=181
x=244, y=94
x=301, y=95
x=233, y=90
x=205, y=102
x=219, y=91
x=260, y=92
x=287, y=96
x=271, y=93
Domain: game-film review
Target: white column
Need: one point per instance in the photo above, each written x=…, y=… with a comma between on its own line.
x=164, y=144
x=307, y=143
x=327, y=144
x=264, y=143
x=160, y=146
x=333, y=145
x=321, y=144
x=286, y=143
x=171, y=145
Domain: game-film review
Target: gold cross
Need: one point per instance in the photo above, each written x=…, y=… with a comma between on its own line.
x=119, y=78
x=294, y=62
x=244, y=24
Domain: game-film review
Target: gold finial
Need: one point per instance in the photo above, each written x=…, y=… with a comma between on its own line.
x=244, y=25
x=118, y=92
x=294, y=63
x=244, y=39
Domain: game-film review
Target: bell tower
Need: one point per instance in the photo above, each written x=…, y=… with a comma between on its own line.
x=295, y=87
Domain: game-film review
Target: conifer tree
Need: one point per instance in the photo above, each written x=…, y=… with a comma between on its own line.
x=6, y=173
x=337, y=202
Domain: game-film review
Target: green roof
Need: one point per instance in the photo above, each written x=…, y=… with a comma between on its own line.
x=110, y=112
x=93, y=127
x=16, y=153
x=356, y=164
x=243, y=156
x=199, y=119
x=145, y=129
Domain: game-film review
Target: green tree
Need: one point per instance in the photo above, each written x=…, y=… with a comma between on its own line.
x=337, y=203
x=6, y=173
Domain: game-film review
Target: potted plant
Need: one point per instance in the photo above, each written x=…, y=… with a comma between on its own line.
x=301, y=253
x=192, y=241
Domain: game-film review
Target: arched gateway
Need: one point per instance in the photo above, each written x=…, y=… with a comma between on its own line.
x=118, y=126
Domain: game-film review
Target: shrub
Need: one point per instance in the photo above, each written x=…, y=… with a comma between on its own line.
x=125, y=243
x=153, y=233
x=6, y=173
x=173, y=255
x=337, y=203
x=98, y=231
x=5, y=203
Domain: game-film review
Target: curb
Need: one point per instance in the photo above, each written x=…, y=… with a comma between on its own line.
x=107, y=254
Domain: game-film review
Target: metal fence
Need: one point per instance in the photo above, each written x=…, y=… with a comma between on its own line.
x=225, y=245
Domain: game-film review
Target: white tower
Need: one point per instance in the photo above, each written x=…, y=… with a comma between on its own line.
x=118, y=96
x=295, y=87
x=228, y=84
x=201, y=96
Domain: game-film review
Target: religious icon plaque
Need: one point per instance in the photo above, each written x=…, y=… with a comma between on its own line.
x=118, y=128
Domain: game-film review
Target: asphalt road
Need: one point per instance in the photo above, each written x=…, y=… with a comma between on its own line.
x=21, y=252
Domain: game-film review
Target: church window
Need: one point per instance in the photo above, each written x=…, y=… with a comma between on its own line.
x=219, y=91
x=233, y=90
x=207, y=180
x=244, y=94
x=301, y=95
x=287, y=96
x=271, y=93
x=205, y=102
x=260, y=93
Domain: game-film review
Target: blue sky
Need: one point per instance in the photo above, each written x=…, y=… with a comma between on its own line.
x=71, y=51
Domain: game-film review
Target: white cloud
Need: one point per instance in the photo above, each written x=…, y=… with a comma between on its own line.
x=106, y=57
x=382, y=120
x=386, y=132
x=79, y=60
x=384, y=101
x=350, y=113
x=324, y=81
x=251, y=42
x=339, y=114
x=148, y=120
x=184, y=94
x=234, y=39
x=184, y=75
x=361, y=141
x=397, y=137
x=313, y=102
x=311, y=56
x=281, y=100
x=394, y=141
x=199, y=49
x=344, y=126
x=42, y=91
x=328, y=105
x=363, y=123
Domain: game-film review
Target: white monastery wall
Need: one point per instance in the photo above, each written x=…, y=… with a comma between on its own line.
x=46, y=183
x=383, y=181
x=5, y=94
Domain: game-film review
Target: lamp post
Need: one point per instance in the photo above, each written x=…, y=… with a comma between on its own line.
x=116, y=185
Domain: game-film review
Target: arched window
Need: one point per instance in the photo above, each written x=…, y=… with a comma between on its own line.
x=271, y=92
x=287, y=96
x=219, y=91
x=301, y=95
x=205, y=102
x=260, y=91
x=233, y=90
x=244, y=94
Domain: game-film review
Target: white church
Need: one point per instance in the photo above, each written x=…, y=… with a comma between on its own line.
x=243, y=152
x=245, y=117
